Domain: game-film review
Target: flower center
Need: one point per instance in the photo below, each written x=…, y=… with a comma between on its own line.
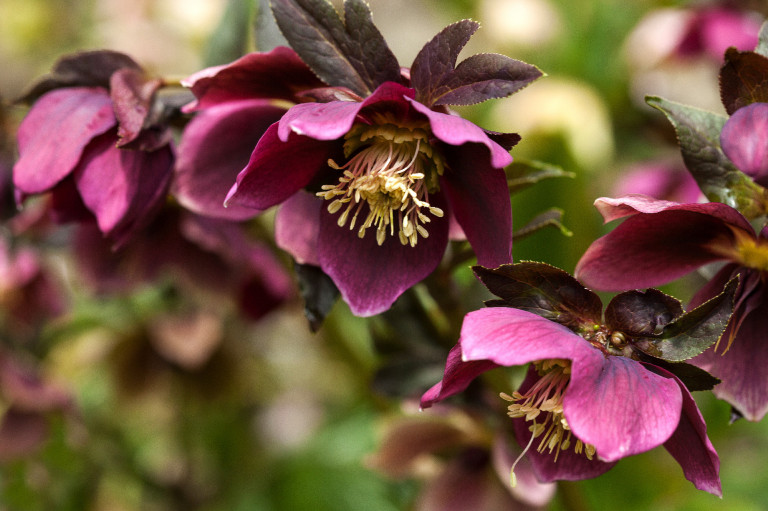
x=752, y=253
x=546, y=397
x=392, y=169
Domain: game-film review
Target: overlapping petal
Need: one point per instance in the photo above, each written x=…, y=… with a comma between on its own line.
x=277, y=74
x=277, y=170
x=744, y=137
x=55, y=132
x=659, y=242
x=216, y=145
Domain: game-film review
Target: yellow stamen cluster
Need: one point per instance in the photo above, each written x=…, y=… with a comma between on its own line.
x=546, y=396
x=393, y=171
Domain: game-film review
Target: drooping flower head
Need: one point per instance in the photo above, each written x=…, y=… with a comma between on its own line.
x=371, y=170
x=96, y=139
x=660, y=241
x=600, y=387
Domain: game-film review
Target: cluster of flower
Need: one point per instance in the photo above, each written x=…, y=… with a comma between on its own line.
x=374, y=174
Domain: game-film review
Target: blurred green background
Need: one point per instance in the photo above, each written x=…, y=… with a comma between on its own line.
x=282, y=419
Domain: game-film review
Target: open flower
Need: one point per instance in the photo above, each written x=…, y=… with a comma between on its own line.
x=93, y=138
x=370, y=172
x=593, y=395
x=660, y=241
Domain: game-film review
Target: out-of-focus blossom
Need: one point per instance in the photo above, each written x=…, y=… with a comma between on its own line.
x=465, y=465
x=95, y=138
x=26, y=401
x=209, y=254
x=525, y=23
x=29, y=294
x=673, y=51
x=665, y=180
x=660, y=241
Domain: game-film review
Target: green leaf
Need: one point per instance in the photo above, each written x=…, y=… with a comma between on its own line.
x=543, y=290
x=698, y=133
x=549, y=218
x=693, y=332
x=348, y=53
x=523, y=173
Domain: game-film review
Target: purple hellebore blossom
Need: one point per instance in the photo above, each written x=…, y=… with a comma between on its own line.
x=370, y=179
x=744, y=139
x=711, y=30
x=91, y=139
x=661, y=241
x=589, y=398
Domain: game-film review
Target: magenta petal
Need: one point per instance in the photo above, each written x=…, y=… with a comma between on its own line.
x=569, y=466
x=371, y=277
x=690, y=446
x=511, y=337
x=744, y=139
x=54, y=133
x=455, y=130
x=122, y=187
x=321, y=121
x=329, y=121
x=277, y=74
x=278, y=169
x=216, y=145
x=479, y=200
x=648, y=250
x=297, y=224
x=620, y=407
x=458, y=375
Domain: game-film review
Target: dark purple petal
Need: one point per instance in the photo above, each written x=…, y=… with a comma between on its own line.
x=122, y=187
x=371, y=277
x=329, y=121
x=455, y=130
x=277, y=74
x=743, y=383
x=132, y=96
x=613, y=209
x=216, y=145
x=297, y=224
x=690, y=446
x=652, y=249
x=479, y=199
x=569, y=466
x=620, y=407
x=744, y=140
x=278, y=169
x=54, y=133
x=458, y=375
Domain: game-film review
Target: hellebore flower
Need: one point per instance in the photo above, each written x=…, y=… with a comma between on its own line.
x=661, y=241
x=94, y=137
x=370, y=173
x=597, y=390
